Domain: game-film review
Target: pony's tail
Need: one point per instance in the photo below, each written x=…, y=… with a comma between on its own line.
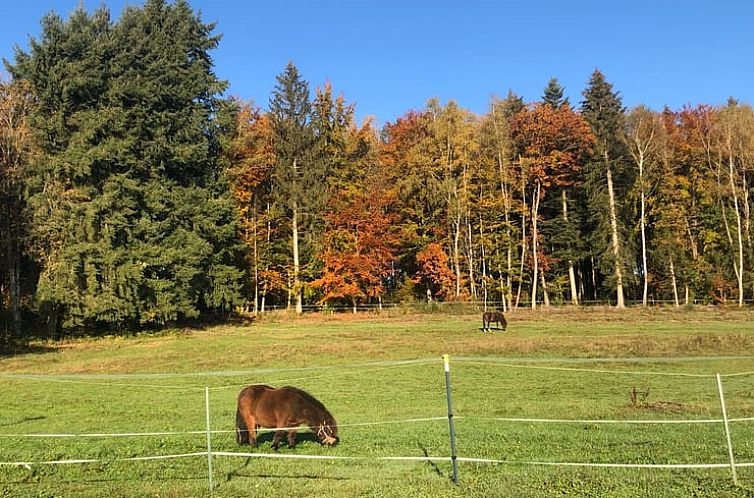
x=242, y=432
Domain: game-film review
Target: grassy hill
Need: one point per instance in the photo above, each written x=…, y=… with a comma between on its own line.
x=115, y=399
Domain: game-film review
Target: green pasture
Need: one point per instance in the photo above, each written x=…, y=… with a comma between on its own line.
x=378, y=374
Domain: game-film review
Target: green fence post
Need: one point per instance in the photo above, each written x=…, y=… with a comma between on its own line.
x=451, y=426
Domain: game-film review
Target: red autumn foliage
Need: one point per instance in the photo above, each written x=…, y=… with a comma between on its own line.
x=433, y=271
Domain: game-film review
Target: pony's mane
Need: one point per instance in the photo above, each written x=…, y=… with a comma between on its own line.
x=314, y=401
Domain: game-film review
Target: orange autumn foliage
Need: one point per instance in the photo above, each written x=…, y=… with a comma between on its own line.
x=360, y=245
x=433, y=271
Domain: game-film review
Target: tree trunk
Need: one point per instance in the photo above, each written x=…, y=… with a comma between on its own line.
x=456, y=250
x=470, y=251
x=296, y=266
x=523, y=243
x=506, y=302
x=645, y=268
x=256, y=260
x=673, y=281
x=740, y=265
x=545, y=295
x=571, y=272
x=615, y=240
x=534, y=242
x=483, y=256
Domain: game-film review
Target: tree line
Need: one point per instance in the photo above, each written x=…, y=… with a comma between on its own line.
x=134, y=194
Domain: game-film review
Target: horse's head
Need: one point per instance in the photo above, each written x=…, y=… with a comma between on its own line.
x=328, y=433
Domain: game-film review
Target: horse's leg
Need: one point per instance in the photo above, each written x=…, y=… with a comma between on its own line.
x=292, y=438
x=276, y=439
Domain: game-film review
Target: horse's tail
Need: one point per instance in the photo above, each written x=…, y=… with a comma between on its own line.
x=242, y=432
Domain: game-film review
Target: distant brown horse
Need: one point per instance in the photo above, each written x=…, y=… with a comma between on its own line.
x=493, y=316
x=284, y=409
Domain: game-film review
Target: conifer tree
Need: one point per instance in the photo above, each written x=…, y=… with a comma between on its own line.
x=295, y=170
x=603, y=109
x=131, y=222
x=554, y=94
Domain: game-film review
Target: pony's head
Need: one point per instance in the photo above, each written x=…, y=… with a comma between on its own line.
x=327, y=432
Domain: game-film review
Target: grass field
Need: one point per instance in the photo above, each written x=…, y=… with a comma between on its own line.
x=377, y=374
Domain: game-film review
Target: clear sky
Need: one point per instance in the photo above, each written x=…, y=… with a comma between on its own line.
x=390, y=56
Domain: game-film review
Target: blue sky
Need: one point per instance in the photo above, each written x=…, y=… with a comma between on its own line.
x=391, y=56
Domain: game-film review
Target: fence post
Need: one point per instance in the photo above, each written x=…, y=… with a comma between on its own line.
x=209, y=439
x=451, y=426
x=727, y=430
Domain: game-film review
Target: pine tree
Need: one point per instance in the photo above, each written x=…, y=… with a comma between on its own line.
x=132, y=224
x=603, y=110
x=554, y=94
x=295, y=173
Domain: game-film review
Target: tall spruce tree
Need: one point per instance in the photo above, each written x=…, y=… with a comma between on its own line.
x=295, y=173
x=554, y=94
x=131, y=223
x=603, y=110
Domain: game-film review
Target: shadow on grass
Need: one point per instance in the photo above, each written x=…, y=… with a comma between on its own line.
x=431, y=463
x=76, y=482
x=21, y=348
x=267, y=436
x=23, y=420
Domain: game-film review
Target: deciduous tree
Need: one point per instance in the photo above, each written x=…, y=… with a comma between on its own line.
x=17, y=149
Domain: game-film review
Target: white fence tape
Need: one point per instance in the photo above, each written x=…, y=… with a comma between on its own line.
x=29, y=465
x=486, y=460
x=514, y=362
x=181, y=433
x=590, y=370
x=601, y=421
x=94, y=460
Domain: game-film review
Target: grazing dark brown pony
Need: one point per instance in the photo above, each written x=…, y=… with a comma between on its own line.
x=493, y=316
x=284, y=409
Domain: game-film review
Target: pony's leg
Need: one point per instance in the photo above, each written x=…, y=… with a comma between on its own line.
x=292, y=439
x=253, y=434
x=276, y=439
x=251, y=427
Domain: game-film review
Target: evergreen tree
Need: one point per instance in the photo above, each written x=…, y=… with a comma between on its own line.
x=603, y=110
x=296, y=174
x=512, y=105
x=132, y=224
x=554, y=94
